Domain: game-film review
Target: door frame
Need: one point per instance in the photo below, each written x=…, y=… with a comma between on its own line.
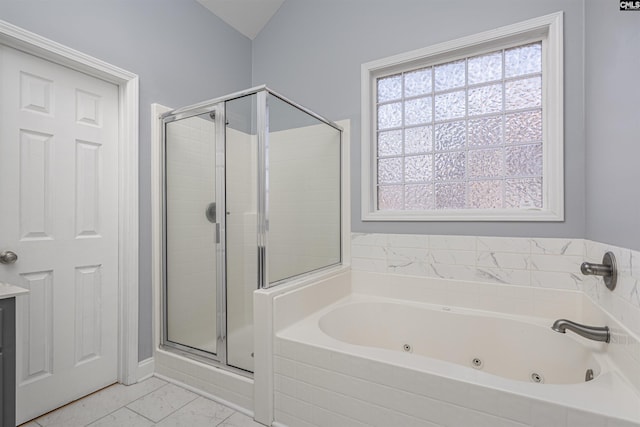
x=128, y=104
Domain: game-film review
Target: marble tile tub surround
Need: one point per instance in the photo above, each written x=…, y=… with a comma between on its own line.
x=536, y=262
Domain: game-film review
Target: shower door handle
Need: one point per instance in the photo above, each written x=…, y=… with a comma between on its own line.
x=211, y=215
x=210, y=212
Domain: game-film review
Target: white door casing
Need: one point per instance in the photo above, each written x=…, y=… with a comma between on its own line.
x=37, y=226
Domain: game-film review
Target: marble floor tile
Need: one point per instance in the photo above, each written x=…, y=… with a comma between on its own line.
x=81, y=412
x=162, y=402
x=143, y=405
x=97, y=405
x=239, y=420
x=201, y=412
x=123, y=417
x=125, y=394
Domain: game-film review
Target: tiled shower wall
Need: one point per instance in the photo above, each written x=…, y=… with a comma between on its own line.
x=541, y=262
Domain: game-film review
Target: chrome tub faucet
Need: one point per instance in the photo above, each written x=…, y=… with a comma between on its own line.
x=596, y=333
x=608, y=270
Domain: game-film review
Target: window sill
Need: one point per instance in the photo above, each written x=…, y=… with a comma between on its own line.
x=536, y=215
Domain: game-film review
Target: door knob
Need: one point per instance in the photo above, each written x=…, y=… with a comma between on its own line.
x=8, y=257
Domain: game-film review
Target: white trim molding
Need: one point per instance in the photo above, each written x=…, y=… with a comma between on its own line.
x=547, y=29
x=26, y=41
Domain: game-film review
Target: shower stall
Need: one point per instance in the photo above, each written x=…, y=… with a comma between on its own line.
x=251, y=199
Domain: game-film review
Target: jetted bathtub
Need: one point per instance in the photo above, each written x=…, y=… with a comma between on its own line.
x=371, y=360
x=500, y=345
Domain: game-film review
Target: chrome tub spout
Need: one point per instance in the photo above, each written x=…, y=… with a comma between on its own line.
x=596, y=333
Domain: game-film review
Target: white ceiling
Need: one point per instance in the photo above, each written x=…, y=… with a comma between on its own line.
x=246, y=16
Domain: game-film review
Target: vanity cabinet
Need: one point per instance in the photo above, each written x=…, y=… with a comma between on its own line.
x=8, y=361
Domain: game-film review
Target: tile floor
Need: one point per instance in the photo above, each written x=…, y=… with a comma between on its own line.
x=152, y=402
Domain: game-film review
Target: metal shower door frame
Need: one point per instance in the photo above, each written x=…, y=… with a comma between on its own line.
x=220, y=356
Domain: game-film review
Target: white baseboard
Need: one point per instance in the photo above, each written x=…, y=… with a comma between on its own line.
x=146, y=369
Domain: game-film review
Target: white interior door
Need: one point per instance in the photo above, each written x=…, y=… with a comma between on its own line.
x=59, y=214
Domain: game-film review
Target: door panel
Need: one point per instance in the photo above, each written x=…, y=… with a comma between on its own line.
x=36, y=320
x=191, y=218
x=59, y=213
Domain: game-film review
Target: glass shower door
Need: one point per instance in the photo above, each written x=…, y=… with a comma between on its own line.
x=192, y=236
x=211, y=252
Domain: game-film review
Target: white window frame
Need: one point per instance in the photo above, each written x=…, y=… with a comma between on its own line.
x=547, y=29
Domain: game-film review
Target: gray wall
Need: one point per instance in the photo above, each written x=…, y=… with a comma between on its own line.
x=311, y=51
x=182, y=53
x=613, y=124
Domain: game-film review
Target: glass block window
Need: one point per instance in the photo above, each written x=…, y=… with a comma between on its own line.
x=467, y=130
x=462, y=134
